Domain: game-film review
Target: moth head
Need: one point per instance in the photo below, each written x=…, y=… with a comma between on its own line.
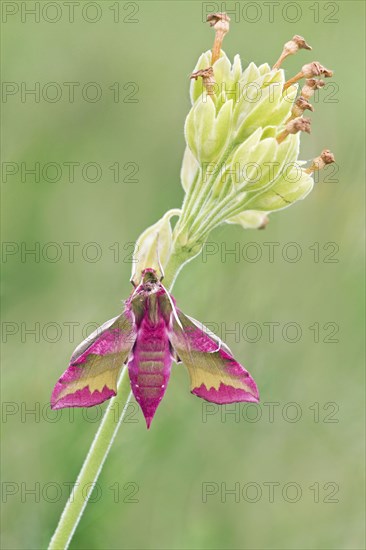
x=149, y=275
x=149, y=280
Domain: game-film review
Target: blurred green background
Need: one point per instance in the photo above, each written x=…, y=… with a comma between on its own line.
x=154, y=46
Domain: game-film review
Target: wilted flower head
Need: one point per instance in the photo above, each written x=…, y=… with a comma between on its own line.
x=300, y=105
x=326, y=157
x=310, y=86
x=291, y=47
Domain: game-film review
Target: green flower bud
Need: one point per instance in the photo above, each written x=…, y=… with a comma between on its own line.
x=257, y=163
x=222, y=70
x=250, y=74
x=262, y=104
x=293, y=185
x=264, y=69
x=207, y=132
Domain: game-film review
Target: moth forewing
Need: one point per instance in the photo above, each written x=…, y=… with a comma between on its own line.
x=214, y=373
x=92, y=375
x=212, y=335
x=89, y=340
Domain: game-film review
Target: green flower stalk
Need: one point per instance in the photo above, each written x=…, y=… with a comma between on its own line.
x=240, y=165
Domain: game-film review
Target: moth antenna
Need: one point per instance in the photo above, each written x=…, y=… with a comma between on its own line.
x=173, y=307
x=175, y=314
x=134, y=291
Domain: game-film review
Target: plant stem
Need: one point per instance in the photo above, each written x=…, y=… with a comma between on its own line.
x=208, y=183
x=177, y=260
x=93, y=464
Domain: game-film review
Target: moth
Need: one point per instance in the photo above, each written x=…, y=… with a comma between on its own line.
x=148, y=336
